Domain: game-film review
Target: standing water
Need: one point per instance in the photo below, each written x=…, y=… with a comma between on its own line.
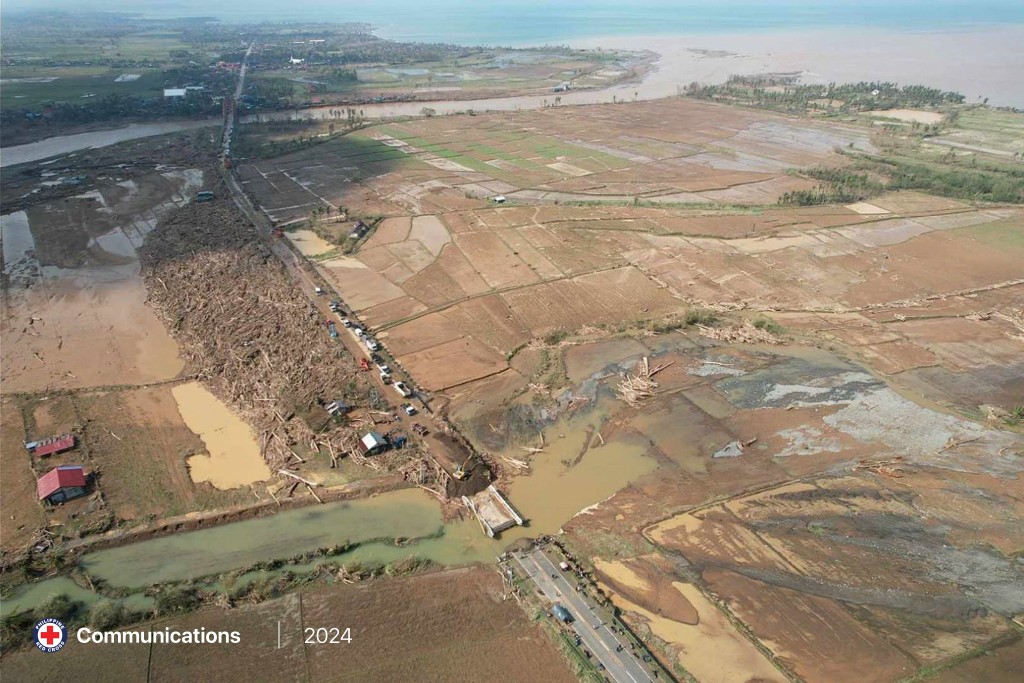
x=234, y=456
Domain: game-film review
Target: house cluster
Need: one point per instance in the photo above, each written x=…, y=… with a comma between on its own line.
x=63, y=482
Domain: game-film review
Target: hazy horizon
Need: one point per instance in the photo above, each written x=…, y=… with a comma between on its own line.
x=539, y=21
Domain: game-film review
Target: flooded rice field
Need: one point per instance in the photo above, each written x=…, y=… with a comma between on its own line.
x=233, y=457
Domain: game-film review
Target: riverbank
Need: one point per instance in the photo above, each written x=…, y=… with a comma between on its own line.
x=101, y=137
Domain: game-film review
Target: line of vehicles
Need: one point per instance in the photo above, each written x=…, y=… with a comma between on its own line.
x=373, y=346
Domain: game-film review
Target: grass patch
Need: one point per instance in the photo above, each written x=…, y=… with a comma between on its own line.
x=769, y=325
x=700, y=316
x=1002, y=235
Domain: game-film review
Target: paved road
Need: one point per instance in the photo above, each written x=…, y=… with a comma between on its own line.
x=294, y=265
x=558, y=587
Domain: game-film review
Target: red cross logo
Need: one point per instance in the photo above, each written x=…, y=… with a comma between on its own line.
x=49, y=635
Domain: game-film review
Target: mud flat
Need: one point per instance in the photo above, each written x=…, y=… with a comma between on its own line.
x=66, y=258
x=233, y=457
x=308, y=242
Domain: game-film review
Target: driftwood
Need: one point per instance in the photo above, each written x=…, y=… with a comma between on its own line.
x=307, y=482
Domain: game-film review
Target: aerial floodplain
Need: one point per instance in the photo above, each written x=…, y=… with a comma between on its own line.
x=378, y=347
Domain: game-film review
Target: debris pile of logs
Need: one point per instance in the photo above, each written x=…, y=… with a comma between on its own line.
x=637, y=387
x=245, y=329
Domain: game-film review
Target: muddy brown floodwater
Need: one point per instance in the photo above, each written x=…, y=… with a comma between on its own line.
x=75, y=306
x=233, y=457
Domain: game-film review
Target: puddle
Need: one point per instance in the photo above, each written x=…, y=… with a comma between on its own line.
x=233, y=458
x=20, y=262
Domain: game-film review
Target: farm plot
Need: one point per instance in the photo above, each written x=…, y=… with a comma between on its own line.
x=397, y=626
x=679, y=150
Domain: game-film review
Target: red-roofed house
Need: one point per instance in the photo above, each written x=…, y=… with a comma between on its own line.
x=61, y=484
x=51, y=445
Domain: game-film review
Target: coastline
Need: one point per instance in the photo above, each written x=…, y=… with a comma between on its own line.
x=979, y=63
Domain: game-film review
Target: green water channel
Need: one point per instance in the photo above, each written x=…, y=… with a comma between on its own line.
x=372, y=522
x=548, y=497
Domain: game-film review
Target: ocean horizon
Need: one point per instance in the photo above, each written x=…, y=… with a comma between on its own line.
x=542, y=22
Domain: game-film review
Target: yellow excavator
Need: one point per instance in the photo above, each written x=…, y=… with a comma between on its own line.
x=461, y=472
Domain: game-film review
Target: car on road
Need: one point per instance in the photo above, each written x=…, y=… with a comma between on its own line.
x=336, y=307
x=383, y=367
x=385, y=377
x=345, y=322
x=404, y=390
x=319, y=291
x=562, y=614
x=204, y=196
x=359, y=332
x=371, y=343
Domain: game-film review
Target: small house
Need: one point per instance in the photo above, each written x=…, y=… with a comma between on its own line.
x=174, y=92
x=337, y=407
x=61, y=484
x=373, y=443
x=51, y=445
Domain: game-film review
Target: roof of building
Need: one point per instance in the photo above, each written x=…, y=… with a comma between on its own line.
x=52, y=444
x=174, y=92
x=58, y=478
x=373, y=440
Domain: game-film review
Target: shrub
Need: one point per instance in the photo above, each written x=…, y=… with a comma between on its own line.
x=178, y=600
x=700, y=316
x=768, y=325
x=106, y=615
x=554, y=337
x=59, y=607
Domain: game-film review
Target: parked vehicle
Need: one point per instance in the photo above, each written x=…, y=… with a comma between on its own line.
x=204, y=196
x=332, y=330
x=319, y=291
x=359, y=332
x=562, y=614
x=336, y=307
x=404, y=390
x=345, y=322
x=383, y=367
x=371, y=344
x=409, y=409
x=385, y=377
